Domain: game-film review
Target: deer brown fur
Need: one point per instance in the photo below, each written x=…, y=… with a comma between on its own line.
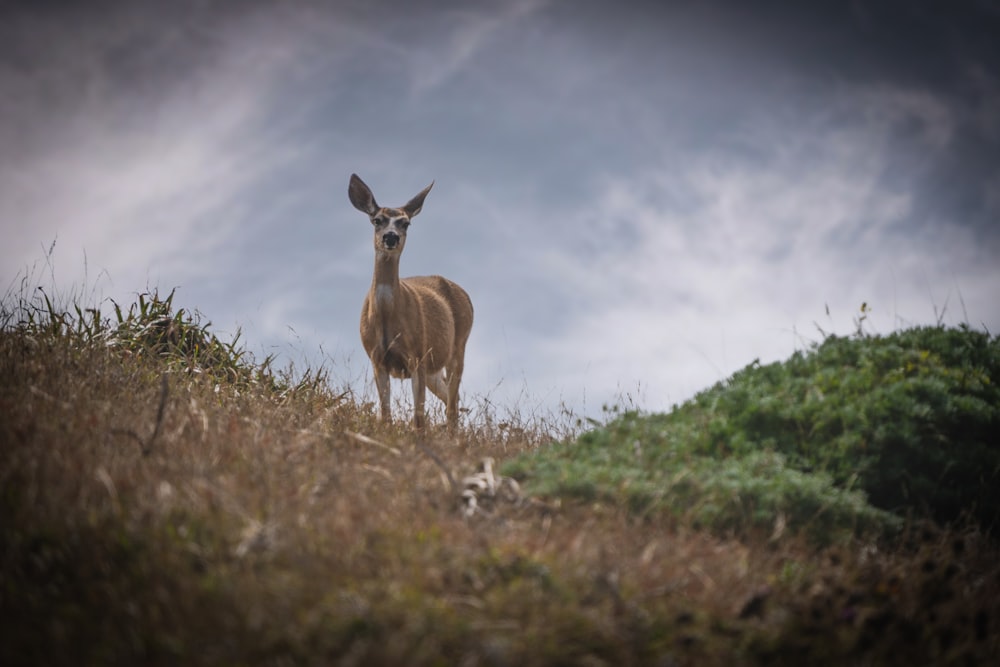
x=412, y=328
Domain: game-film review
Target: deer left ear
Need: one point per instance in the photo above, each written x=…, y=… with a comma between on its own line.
x=413, y=206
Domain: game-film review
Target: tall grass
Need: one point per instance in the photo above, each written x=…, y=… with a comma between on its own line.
x=167, y=499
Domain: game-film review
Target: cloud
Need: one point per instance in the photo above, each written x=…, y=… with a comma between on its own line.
x=685, y=272
x=469, y=29
x=150, y=161
x=647, y=196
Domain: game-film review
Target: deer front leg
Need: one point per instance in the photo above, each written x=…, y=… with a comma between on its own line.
x=419, y=392
x=382, y=384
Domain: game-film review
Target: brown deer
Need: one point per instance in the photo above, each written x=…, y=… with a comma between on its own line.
x=412, y=328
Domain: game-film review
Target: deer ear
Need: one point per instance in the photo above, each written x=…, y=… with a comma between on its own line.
x=361, y=196
x=413, y=206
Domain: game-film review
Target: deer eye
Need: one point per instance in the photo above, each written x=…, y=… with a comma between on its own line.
x=405, y=224
x=378, y=221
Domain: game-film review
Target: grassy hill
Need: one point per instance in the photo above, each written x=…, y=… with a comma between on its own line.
x=167, y=499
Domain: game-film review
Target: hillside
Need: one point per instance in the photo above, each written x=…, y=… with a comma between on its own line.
x=168, y=499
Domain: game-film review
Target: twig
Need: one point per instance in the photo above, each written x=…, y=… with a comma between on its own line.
x=147, y=445
x=434, y=457
x=365, y=440
x=49, y=397
x=164, y=391
x=130, y=433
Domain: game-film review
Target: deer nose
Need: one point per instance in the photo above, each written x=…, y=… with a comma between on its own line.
x=390, y=239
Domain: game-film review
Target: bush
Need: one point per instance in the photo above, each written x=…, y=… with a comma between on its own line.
x=153, y=330
x=907, y=420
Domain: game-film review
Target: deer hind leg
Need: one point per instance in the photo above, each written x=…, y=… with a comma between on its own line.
x=419, y=380
x=438, y=384
x=382, y=384
x=454, y=378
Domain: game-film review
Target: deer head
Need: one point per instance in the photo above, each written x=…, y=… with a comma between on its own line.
x=390, y=223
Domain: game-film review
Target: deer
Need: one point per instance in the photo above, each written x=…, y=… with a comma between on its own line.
x=411, y=328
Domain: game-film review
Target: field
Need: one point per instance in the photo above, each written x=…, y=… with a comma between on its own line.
x=167, y=499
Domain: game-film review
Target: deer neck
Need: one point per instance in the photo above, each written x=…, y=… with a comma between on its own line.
x=385, y=284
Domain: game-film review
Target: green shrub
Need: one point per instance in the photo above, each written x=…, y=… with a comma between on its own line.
x=646, y=463
x=908, y=420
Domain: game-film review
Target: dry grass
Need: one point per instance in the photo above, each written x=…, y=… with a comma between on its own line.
x=205, y=524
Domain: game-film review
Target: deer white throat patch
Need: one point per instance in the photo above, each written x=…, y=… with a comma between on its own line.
x=383, y=295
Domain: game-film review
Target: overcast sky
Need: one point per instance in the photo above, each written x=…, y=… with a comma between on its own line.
x=641, y=198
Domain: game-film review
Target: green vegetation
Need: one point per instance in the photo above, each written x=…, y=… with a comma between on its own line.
x=175, y=339
x=166, y=499
x=848, y=437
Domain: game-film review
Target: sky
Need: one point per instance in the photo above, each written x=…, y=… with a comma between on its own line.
x=640, y=197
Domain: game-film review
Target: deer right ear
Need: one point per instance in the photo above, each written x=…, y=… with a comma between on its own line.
x=361, y=196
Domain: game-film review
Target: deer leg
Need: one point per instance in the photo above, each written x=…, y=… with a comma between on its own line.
x=382, y=384
x=438, y=385
x=454, y=378
x=419, y=392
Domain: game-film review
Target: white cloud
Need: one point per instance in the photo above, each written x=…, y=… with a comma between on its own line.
x=688, y=272
x=151, y=184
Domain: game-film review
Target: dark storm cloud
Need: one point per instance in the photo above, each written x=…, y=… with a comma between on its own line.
x=633, y=192
x=937, y=63
x=60, y=59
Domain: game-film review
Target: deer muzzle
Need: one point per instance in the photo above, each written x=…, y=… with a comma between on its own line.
x=390, y=240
